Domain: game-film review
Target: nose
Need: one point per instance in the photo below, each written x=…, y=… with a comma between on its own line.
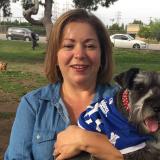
x=79, y=52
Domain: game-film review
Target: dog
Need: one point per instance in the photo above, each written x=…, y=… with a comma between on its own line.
x=142, y=108
x=3, y=66
x=138, y=100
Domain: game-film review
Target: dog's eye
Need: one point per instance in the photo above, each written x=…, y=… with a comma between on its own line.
x=139, y=87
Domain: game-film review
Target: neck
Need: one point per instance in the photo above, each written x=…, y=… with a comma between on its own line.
x=77, y=91
x=76, y=99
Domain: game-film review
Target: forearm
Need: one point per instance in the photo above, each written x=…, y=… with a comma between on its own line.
x=73, y=140
x=99, y=146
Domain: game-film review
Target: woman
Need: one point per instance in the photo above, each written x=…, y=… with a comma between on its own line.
x=79, y=66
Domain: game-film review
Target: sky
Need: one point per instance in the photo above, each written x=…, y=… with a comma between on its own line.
x=122, y=11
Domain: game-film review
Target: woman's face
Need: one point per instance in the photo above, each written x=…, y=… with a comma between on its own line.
x=79, y=54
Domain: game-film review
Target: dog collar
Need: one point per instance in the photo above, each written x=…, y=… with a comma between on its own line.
x=125, y=100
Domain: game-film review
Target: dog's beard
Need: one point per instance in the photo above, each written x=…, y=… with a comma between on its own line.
x=145, y=111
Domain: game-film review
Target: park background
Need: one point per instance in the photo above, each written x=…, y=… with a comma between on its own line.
x=25, y=66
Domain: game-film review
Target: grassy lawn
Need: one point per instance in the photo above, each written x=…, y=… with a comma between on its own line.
x=25, y=65
x=21, y=52
x=19, y=82
x=23, y=73
x=144, y=59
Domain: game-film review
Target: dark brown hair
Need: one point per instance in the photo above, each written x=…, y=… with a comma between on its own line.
x=78, y=15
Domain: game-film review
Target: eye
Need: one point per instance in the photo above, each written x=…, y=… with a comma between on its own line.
x=68, y=46
x=90, y=46
x=139, y=87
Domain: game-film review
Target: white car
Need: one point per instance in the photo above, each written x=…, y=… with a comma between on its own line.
x=126, y=41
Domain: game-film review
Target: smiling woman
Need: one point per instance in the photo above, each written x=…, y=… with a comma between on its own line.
x=79, y=54
x=79, y=61
x=79, y=66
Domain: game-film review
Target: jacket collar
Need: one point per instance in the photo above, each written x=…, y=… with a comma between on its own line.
x=51, y=92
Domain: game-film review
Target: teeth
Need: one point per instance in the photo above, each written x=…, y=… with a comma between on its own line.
x=79, y=66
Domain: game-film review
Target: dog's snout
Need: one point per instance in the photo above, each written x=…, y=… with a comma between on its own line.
x=156, y=91
x=156, y=109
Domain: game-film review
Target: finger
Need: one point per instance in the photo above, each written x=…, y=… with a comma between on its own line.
x=60, y=157
x=55, y=145
x=56, y=152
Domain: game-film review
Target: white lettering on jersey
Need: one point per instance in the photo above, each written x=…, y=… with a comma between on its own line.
x=113, y=138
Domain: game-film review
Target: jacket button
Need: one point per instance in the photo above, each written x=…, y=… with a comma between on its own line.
x=38, y=136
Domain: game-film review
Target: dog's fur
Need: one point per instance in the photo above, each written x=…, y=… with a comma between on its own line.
x=144, y=101
x=3, y=66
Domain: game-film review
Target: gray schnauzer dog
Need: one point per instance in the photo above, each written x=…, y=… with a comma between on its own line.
x=143, y=109
x=138, y=100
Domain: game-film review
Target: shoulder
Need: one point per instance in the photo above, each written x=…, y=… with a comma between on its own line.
x=105, y=90
x=45, y=93
x=110, y=89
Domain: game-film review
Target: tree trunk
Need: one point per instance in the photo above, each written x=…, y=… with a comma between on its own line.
x=47, y=17
x=44, y=21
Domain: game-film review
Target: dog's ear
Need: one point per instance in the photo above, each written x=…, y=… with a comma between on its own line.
x=125, y=79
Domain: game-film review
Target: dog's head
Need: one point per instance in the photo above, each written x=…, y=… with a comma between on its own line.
x=3, y=66
x=144, y=98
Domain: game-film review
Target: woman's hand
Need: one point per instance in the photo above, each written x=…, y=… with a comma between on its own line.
x=68, y=143
x=73, y=140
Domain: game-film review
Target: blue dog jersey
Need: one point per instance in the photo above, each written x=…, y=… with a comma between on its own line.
x=105, y=118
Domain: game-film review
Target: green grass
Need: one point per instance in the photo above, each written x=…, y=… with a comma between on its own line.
x=144, y=59
x=19, y=83
x=6, y=115
x=19, y=77
x=19, y=51
x=23, y=62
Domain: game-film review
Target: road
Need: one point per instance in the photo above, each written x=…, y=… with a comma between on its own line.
x=43, y=40
x=154, y=46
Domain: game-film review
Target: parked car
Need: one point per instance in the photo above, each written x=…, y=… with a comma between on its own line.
x=19, y=33
x=126, y=41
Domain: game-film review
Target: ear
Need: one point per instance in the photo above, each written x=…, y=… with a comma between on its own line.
x=125, y=79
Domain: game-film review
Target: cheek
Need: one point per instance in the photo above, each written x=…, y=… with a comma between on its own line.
x=63, y=58
x=96, y=59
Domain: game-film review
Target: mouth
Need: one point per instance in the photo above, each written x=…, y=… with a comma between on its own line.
x=79, y=67
x=152, y=124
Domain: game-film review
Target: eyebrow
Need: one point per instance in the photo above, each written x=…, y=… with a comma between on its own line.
x=86, y=40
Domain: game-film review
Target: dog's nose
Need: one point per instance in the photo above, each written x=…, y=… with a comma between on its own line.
x=156, y=109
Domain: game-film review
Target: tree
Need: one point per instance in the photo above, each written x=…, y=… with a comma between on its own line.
x=114, y=28
x=152, y=31
x=137, y=22
x=155, y=30
x=5, y=6
x=31, y=7
x=92, y=4
x=144, y=32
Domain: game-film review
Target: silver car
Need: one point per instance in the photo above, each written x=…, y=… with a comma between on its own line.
x=18, y=33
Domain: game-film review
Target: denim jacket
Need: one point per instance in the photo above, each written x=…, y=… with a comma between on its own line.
x=40, y=116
